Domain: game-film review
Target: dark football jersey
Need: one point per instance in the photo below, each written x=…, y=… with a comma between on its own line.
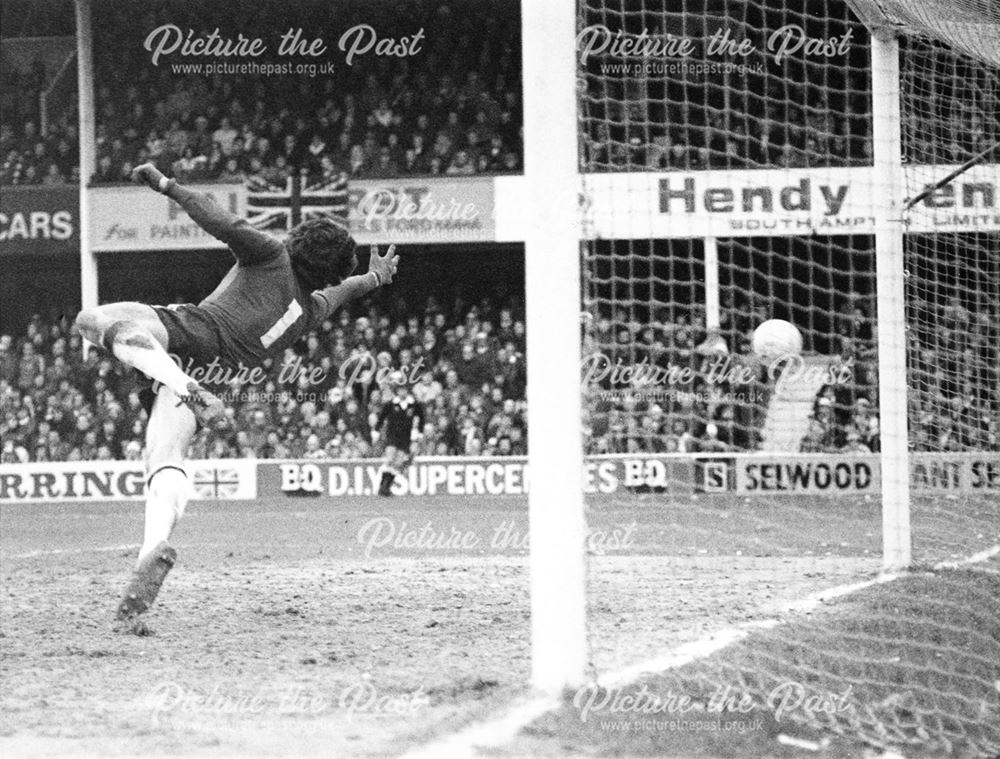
x=399, y=415
x=259, y=307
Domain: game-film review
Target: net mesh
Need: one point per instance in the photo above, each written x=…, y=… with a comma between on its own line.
x=952, y=261
x=726, y=186
x=970, y=27
x=723, y=114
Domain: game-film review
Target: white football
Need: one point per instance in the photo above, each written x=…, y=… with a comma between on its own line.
x=775, y=338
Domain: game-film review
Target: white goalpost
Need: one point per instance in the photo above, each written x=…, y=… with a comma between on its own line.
x=552, y=282
x=88, y=161
x=888, y=150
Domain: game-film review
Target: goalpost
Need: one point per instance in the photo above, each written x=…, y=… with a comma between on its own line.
x=648, y=168
x=552, y=282
x=88, y=148
x=887, y=147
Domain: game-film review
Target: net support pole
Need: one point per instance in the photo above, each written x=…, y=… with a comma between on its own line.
x=88, y=146
x=890, y=275
x=712, y=310
x=552, y=274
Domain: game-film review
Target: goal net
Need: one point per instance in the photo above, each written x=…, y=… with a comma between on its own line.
x=950, y=82
x=742, y=161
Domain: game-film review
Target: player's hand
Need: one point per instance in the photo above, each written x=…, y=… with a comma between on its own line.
x=384, y=266
x=147, y=174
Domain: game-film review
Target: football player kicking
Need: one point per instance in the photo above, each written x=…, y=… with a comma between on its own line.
x=275, y=292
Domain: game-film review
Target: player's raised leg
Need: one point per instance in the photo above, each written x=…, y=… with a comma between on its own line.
x=168, y=434
x=136, y=336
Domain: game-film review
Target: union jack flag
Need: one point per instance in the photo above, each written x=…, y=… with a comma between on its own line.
x=216, y=482
x=275, y=207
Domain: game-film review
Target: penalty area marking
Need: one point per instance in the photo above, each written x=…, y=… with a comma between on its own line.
x=506, y=726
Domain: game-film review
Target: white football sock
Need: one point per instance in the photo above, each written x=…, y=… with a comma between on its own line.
x=167, y=493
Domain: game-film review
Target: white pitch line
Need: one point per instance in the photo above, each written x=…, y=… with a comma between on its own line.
x=63, y=551
x=491, y=733
x=976, y=558
x=699, y=649
x=501, y=729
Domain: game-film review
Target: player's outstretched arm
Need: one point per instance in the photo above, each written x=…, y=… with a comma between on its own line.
x=381, y=270
x=249, y=245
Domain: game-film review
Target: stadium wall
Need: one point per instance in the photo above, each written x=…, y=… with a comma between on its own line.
x=673, y=475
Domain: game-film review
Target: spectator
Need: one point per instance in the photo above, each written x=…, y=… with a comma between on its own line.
x=190, y=166
x=53, y=176
x=854, y=444
x=225, y=136
x=461, y=165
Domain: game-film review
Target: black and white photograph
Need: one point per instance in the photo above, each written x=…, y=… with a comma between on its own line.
x=457, y=379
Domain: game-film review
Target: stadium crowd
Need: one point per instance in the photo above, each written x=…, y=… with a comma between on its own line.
x=775, y=124
x=466, y=368
x=953, y=370
x=453, y=108
x=667, y=388
x=954, y=361
x=695, y=112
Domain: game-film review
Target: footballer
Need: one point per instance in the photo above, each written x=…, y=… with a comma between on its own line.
x=401, y=418
x=274, y=293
